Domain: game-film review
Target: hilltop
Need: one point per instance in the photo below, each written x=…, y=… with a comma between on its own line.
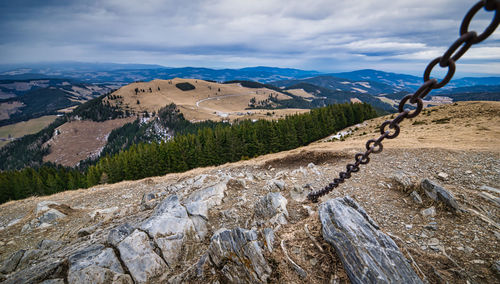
x=443, y=144
x=207, y=100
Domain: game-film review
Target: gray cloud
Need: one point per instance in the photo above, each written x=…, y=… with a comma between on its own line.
x=324, y=35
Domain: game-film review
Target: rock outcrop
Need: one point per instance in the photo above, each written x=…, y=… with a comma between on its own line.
x=271, y=208
x=368, y=255
x=437, y=193
x=238, y=256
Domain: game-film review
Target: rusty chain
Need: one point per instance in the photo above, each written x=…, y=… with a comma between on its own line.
x=465, y=41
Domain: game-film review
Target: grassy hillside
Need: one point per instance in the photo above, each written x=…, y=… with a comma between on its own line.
x=23, y=128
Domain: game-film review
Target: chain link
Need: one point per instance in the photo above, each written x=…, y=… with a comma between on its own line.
x=465, y=41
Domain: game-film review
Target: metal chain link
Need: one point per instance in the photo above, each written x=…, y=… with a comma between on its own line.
x=465, y=41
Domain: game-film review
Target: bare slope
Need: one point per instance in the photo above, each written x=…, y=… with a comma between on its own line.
x=459, y=140
x=79, y=140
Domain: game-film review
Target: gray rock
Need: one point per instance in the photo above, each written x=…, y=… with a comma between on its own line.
x=171, y=227
x=49, y=269
x=490, y=189
x=12, y=261
x=200, y=225
x=148, y=197
x=49, y=245
x=198, y=208
x=401, y=180
x=95, y=264
x=237, y=255
x=118, y=234
x=51, y=216
x=269, y=238
x=53, y=281
x=429, y=212
x=271, y=208
x=44, y=206
x=212, y=195
x=368, y=255
x=496, y=267
x=431, y=226
x=142, y=262
x=30, y=256
x=416, y=197
x=298, y=193
x=438, y=193
x=280, y=184
x=148, y=201
x=442, y=176
x=88, y=230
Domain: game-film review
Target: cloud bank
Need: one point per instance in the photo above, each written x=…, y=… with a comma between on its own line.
x=325, y=35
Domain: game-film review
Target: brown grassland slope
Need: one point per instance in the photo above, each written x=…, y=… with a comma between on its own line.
x=459, y=140
x=20, y=129
x=78, y=140
x=208, y=100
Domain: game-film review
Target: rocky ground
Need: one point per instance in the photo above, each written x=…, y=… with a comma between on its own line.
x=250, y=222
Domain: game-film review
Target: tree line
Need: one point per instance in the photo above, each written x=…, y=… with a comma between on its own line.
x=206, y=147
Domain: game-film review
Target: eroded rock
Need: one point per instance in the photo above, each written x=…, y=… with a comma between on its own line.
x=368, y=255
x=96, y=264
x=237, y=255
x=118, y=234
x=12, y=261
x=138, y=255
x=170, y=227
x=438, y=193
x=271, y=208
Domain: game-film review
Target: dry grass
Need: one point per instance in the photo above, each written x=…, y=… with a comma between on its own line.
x=208, y=101
x=20, y=129
x=79, y=140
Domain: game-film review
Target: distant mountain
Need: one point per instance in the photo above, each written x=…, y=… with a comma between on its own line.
x=22, y=100
x=57, y=68
x=128, y=74
x=341, y=84
x=409, y=82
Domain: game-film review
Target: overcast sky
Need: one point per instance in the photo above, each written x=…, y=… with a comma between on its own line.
x=330, y=35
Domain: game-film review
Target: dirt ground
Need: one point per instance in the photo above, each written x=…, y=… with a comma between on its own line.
x=460, y=140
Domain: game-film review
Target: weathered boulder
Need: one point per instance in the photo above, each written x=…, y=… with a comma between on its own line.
x=138, y=255
x=401, y=180
x=211, y=195
x=49, y=269
x=96, y=264
x=368, y=255
x=416, y=197
x=271, y=208
x=170, y=226
x=148, y=201
x=49, y=245
x=268, y=235
x=237, y=255
x=30, y=256
x=298, y=193
x=438, y=193
x=12, y=261
x=44, y=206
x=118, y=234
